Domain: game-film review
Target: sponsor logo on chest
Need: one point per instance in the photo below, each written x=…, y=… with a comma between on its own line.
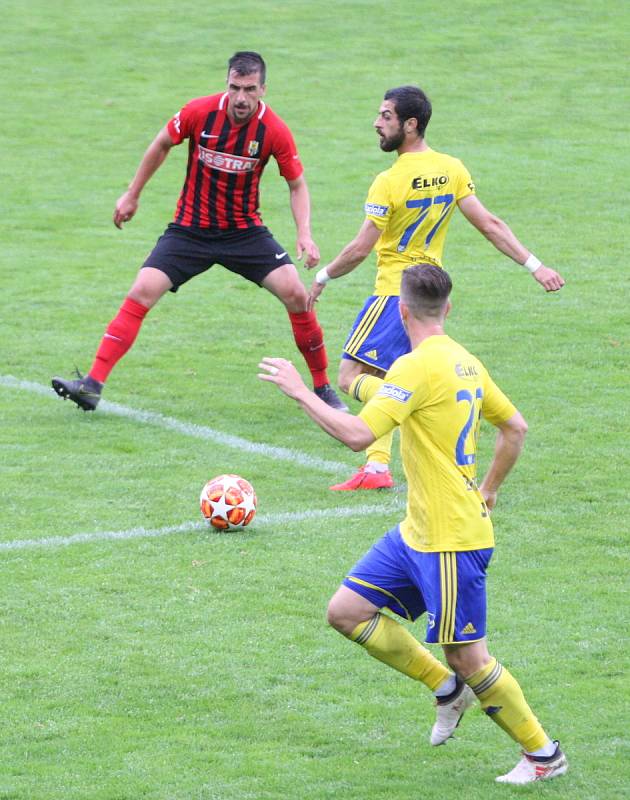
x=226, y=162
x=429, y=181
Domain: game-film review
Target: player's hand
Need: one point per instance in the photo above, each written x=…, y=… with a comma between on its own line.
x=313, y=295
x=490, y=498
x=283, y=374
x=306, y=246
x=126, y=207
x=549, y=279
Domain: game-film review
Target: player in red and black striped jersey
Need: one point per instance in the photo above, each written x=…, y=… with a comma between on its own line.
x=231, y=137
x=226, y=161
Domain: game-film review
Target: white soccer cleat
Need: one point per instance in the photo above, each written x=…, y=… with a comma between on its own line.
x=449, y=713
x=536, y=768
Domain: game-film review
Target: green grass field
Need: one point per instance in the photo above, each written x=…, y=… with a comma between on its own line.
x=144, y=656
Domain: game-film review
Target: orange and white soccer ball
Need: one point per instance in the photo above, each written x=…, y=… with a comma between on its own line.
x=228, y=502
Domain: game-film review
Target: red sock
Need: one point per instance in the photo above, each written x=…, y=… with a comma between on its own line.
x=310, y=341
x=119, y=336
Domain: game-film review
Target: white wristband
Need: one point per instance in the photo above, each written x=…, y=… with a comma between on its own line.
x=322, y=276
x=532, y=263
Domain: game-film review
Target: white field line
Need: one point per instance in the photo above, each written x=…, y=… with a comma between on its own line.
x=280, y=521
x=196, y=431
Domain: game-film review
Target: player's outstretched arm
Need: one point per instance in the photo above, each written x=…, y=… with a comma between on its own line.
x=509, y=443
x=348, y=259
x=502, y=237
x=301, y=209
x=155, y=154
x=348, y=429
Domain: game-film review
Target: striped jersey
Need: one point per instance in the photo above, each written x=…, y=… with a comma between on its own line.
x=225, y=162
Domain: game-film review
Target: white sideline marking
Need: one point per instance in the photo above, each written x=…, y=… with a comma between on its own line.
x=196, y=431
x=188, y=527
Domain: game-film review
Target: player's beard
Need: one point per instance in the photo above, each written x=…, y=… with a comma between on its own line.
x=393, y=142
x=242, y=114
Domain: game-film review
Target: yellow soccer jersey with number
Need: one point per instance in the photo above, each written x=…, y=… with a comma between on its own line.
x=437, y=395
x=412, y=204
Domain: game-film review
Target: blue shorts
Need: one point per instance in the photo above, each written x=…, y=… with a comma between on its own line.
x=377, y=337
x=449, y=587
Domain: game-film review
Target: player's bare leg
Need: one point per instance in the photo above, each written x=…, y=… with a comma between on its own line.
x=285, y=284
x=149, y=286
x=375, y=473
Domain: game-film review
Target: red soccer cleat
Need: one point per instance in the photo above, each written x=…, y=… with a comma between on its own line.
x=365, y=480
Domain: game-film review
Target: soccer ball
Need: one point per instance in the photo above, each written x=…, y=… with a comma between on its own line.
x=228, y=502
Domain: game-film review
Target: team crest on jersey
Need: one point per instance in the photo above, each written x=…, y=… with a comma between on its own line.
x=395, y=392
x=252, y=147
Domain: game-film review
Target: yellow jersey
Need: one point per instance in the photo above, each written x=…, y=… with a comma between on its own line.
x=437, y=395
x=412, y=204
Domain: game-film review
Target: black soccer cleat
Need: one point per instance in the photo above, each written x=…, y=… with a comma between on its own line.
x=330, y=397
x=85, y=392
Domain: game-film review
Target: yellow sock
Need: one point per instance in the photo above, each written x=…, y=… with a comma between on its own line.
x=381, y=449
x=503, y=701
x=364, y=386
x=387, y=640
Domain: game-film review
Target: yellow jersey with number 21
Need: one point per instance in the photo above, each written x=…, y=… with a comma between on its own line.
x=412, y=204
x=437, y=395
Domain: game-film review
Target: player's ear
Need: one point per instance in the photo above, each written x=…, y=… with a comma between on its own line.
x=447, y=309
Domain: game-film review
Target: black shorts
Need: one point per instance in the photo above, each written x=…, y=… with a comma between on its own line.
x=182, y=252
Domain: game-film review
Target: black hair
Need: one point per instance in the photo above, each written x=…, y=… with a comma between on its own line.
x=410, y=102
x=245, y=62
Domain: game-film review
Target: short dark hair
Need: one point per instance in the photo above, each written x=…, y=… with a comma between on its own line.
x=425, y=289
x=245, y=62
x=410, y=102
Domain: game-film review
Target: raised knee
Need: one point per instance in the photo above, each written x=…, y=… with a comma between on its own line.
x=295, y=300
x=344, y=383
x=338, y=619
x=346, y=376
x=333, y=617
x=149, y=286
x=349, y=369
